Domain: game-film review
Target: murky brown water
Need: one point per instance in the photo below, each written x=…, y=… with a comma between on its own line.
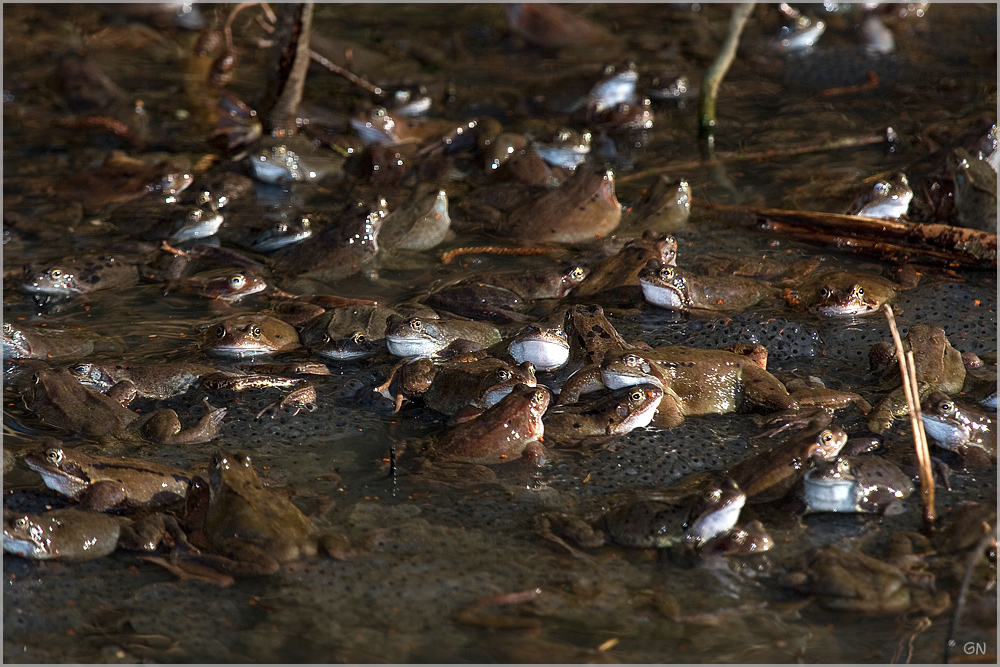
x=430, y=552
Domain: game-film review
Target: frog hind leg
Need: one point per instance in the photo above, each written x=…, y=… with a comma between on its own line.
x=164, y=427
x=145, y=534
x=238, y=559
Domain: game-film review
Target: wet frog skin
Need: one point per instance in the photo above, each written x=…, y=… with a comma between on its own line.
x=844, y=294
x=82, y=274
x=545, y=347
x=618, y=412
x=676, y=289
x=71, y=534
x=938, y=365
x=699, y=382
x=101, y=483
x=963, y=429
x=480, y=382
x=624, y=267
x=250, y=336
x=145, y=380
x=421, y=337
x=552, y=283
x=582, y=209
x=249, y=529
x=502, y=434
x=771, y=474
x=348, y=333
x=887, y=198
x=30, y=342
x=61, y=401
x=653, y=520
x=866, y=483
x=229, y=286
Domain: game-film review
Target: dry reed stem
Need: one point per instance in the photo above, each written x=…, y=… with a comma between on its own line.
x=909, y=375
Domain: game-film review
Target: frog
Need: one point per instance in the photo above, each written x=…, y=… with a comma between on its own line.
x=196, y=222
x=683, y=373
x=850, y=581
x=272, y=232
x=340, y=250
x=156, y=381
x=78, y=535
x=938, y=365
x=101, y=483
x=564, y=147
x=24, y=341
x=479, y=301
x=960, y=428
x=348, y=333
x=975, y=190
x=545, y=346
x=772, y=271
x=294, y=159
x=622, y=269
x=595, y=419
x=423, y=337
x=421, y=223
x=583, y=209
x=481, y=383
x=506, y=432
x=250, y=530
x=867, y=484
x=665, y=207
x=771, y=474
x=58, y=399
x=224, y=285
x=887, y=198
x=548, y=283
x=674, y=288
x=121, y=179
x=250, y=336
x=656, y=519
x=846, y=293
x=80, y=274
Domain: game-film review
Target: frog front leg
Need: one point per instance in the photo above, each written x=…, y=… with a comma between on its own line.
x=893, y=407
x=102, y=496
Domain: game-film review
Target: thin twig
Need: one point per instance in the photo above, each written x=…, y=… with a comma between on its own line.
x=717, y=72
x=446, y=258
x=346, y=73
x=909, y=374
x=228, y=28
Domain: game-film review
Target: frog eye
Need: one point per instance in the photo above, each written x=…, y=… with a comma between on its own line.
x=826, y=436
x=576, y=273
x=359, y=337
x=416, y=324
x=881, y=187
x=255, y=332
x=631, y=360
x=825, y=292
x=220, y=331
x=539, y=396
x=238, y=281
x=8, y=328
x=55, y=456
x=946, y=407
x=561, y=334
x=635, y=396
x=194, y=214
x=859, y=291
x=204, y=197
x=667, y=273
x=55, y=274
x=713, y=496
x=326, y=338
x=305, y=223
x=503, y=375
x=21, y=522
x=281, y=228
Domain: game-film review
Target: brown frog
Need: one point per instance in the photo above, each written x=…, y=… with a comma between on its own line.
x=504, y=433
x=847, y=294
x=771, y=474
x=72, y=534
x=582, y=209
x=250, y=530
x=480, y=382
x=77, y=275
x=618, y=412
x=674, y=288
x=969, y=432
x=939, y=367
x=851, y=581
x=250, y=336
x=550, y=283
x=544, y=345
x=665, y=207
x=622, y=269
x=60, y=400
x=101, y=483
x=423, y=337
x=348, y=333
x=21, y=341
x=866, y=483
x=699, y=382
